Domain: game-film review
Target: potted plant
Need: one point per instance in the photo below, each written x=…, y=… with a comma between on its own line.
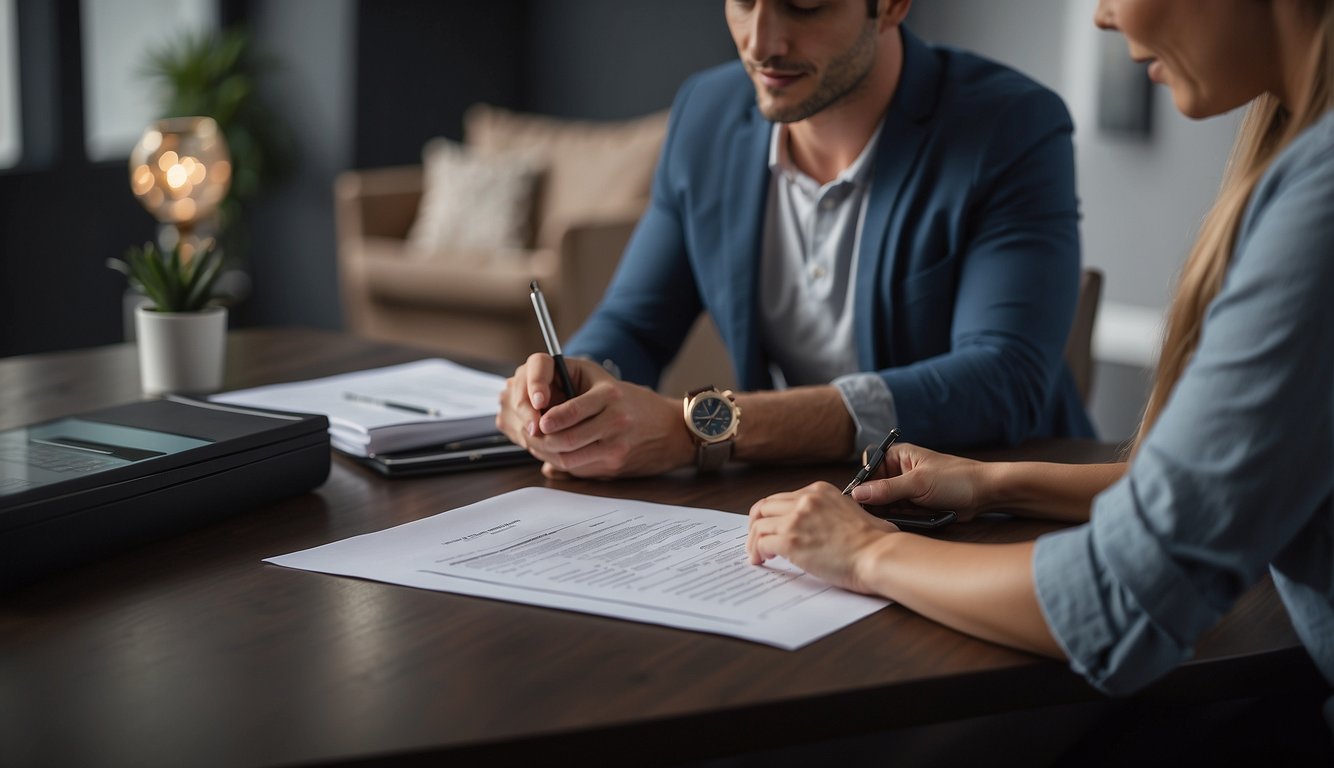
x=181, y=330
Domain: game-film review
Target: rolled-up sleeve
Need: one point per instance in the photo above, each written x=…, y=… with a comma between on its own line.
x=1234, y=471
x=1098, y=617
x=871, y=406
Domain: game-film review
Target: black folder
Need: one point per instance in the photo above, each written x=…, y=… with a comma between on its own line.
x=81, y=487
x=474, y=453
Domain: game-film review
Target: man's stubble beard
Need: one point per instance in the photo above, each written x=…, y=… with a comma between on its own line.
x=843, y=76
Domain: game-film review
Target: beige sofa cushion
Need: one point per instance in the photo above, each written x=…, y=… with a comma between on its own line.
x=474, y=202
x=594, y=170
x=500, y=288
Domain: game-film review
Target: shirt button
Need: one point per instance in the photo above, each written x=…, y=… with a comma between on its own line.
x=826, y=204
x=818, y=271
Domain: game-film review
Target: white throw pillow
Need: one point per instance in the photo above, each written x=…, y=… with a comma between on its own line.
x=472, y=201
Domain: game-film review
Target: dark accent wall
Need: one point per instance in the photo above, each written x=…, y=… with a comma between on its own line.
x=290, y=257
x=610, y=59
x=362, y=84
x=61, y=216
x=421, y=63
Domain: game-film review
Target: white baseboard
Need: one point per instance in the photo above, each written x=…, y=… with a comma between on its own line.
x=1128, y=334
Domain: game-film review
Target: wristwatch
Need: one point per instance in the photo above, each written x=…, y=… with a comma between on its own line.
x=712, y=418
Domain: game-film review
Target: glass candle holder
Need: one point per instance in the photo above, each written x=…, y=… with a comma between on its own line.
x=180, y=170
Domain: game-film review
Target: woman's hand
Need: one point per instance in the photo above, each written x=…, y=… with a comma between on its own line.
x=913, y=476
x=819, y=530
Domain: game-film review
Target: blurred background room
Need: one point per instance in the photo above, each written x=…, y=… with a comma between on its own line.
x=317, y=88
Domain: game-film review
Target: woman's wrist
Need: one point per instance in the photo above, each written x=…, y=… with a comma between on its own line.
x=992, y=485
x=1038, y=489
x=871, y=561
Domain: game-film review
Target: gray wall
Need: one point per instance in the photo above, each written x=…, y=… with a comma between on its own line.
x=291, y=253
x=1142, y=198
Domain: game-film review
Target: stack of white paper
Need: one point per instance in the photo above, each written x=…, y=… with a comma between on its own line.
x=390, y=409
x=676, y=566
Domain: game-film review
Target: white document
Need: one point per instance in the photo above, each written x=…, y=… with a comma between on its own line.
x=676, y=566
x=390, y=409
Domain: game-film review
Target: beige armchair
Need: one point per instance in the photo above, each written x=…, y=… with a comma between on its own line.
x=594, y=186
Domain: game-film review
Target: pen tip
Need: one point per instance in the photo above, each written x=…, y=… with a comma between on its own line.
x=532, y=286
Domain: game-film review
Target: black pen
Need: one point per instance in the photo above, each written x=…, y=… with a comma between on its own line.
x=549, y=335
x=422, y=409
x=873, y=461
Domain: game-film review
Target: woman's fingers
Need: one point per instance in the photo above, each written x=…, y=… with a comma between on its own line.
x=760, y=529
x=886, y=491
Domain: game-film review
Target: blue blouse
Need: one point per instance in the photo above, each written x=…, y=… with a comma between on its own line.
x=1237, y=475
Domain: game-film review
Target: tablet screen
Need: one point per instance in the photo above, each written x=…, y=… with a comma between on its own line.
x=66, y=448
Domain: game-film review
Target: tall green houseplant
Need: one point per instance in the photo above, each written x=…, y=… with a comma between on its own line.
x=217, y=75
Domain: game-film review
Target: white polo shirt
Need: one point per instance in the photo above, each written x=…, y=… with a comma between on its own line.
x=808, y=274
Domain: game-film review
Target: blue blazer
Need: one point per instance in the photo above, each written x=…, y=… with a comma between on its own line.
x=968, y=265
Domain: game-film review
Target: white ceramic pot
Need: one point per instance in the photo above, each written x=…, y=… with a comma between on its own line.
x=181, y=351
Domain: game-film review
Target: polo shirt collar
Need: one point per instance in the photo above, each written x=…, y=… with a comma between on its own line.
x=780, y=161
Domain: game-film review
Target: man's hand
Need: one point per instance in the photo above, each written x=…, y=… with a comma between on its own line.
x=610, y=428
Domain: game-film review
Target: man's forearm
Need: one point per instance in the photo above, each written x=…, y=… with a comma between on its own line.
x=798, y=424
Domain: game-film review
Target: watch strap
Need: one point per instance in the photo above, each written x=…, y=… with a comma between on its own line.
x=710, y=457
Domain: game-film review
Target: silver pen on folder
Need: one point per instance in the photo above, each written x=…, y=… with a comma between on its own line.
x=383, y=403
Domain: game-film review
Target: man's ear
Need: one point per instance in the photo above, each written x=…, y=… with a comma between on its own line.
x=893, y=12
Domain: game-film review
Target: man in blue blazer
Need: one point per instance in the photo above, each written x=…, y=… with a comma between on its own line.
x=885, y=234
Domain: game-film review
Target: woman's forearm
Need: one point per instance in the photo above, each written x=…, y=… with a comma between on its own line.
x=1053, y=491
x=985, y=590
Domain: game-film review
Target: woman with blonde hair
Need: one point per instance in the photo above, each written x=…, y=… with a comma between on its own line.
x=1232, y=472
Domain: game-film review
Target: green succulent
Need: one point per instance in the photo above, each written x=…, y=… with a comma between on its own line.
x=172, y=283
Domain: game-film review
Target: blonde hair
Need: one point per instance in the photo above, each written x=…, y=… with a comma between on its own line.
x=1267, y=128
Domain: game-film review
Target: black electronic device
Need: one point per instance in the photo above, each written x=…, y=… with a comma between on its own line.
x=476, y=453
x=925, y=520
x=83, y=486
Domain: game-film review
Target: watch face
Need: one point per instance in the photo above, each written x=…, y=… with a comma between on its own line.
x=711, y=416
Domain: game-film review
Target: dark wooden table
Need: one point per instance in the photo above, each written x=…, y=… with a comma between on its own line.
x=190, y=651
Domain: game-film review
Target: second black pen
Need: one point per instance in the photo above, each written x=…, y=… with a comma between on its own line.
x=873, y=461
